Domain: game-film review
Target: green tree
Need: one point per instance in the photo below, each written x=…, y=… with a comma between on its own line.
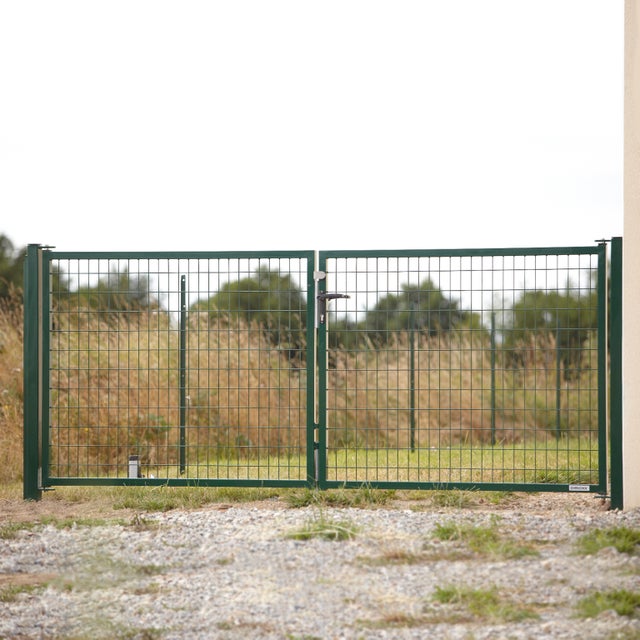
x=269, y=298
x=118, y=291
x=568, y=317
x=11, y=267
x=12, y=271
x=422, y=307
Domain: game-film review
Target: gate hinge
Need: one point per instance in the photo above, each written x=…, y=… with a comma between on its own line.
x=319, y=275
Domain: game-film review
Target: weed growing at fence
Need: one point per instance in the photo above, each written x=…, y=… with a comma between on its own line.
x=451, y=498
x=457, y=498
x=362, y=497
x=321, y=526
x=165, y=498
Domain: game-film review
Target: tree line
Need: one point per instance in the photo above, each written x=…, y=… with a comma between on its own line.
x=276, y=303
x=11, y=268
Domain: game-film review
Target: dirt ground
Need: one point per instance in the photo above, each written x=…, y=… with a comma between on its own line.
x=67, y=503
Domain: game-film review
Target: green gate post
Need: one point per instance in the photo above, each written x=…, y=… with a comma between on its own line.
x=603, y=378
x=615, y=407
x=31, y=375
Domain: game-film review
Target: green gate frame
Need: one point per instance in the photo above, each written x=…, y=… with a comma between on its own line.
x=37, y=374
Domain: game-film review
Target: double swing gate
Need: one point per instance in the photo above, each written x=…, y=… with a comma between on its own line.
x=481, y=369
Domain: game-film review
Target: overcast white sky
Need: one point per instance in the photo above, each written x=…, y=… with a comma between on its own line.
x=269, y=124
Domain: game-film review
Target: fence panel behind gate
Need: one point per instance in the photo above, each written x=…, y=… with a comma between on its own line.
x=481, y=368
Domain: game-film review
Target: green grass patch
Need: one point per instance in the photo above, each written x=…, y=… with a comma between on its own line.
x=547, y=461
x=164, y=498
x=497, y=498
x=363, y=496
x=11, y=593
x=623, y=539
x=484, y=540
x=482, y=604
x=320, y=526
x=536, y=460
x=10, y=530
x=456, y=498
x=623, y=602
x=457, y=605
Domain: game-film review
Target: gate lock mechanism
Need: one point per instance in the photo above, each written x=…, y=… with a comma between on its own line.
x=323, y=298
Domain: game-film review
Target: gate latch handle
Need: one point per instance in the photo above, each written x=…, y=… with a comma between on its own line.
x=323, y=298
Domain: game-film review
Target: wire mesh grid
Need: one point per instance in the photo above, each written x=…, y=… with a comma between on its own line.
x=439, y=369
x=466, y=369
x=186, y=367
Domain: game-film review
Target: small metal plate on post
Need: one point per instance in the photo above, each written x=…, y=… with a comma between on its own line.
x=579, y=487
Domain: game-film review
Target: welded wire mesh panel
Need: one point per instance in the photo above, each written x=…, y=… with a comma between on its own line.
x=179, y=367
x=465, y=368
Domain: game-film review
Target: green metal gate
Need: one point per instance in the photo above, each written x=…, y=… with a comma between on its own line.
x=410, y=369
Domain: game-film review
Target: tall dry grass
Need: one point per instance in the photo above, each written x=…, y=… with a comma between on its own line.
x=11, y=388
x=116, y=391
x=456, y=398
x=116, y=380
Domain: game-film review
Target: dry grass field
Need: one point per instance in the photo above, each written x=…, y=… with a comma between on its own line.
x=10, y=390
x=116, y=383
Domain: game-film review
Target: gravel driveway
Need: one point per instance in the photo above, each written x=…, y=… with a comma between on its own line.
x=234, y=571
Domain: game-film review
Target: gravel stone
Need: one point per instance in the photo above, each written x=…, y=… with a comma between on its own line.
x=233, y=572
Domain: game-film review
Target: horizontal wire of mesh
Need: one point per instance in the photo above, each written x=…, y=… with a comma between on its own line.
x=195, y=366
x=463, y=369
